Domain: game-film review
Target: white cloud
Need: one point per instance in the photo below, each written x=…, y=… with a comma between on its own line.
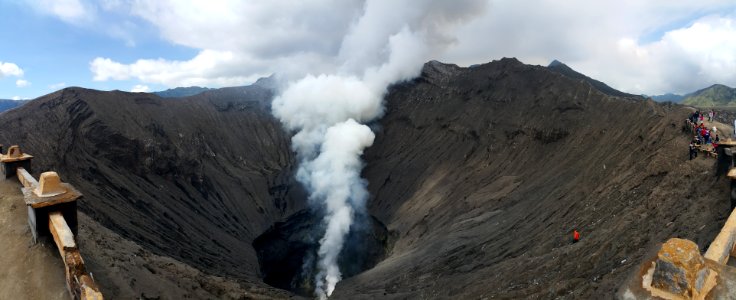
x=238, y=41
x=208, y=68
x=16, y=98
x=110, y=17
x=57, y=86
x=22, y=83
x=613, y=41
x=10, y=69
x=636, y=46
x=263, y=28
x=72, y=11
x=684, y=59
x=111, y=4
x=241, y=41
x=139, y=88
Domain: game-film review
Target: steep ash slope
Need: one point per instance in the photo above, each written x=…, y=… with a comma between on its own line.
x=196, y=179
x=485, y=172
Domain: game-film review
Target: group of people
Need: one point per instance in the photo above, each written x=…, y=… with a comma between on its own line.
x=698, y=117
x=703, y=135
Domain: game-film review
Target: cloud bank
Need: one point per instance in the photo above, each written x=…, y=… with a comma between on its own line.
x=636, y=46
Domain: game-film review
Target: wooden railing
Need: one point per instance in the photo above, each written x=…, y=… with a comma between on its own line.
x=722, y=248
x=52, y=210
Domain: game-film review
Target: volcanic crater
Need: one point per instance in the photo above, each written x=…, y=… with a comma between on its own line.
x=288, y=251
x=477, y=178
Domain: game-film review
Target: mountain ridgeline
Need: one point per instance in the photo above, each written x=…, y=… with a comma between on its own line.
x=674, y=98
x=563, y=69
x=6, y=104
x=180, y=92
x=476, y=173
x=715, y=95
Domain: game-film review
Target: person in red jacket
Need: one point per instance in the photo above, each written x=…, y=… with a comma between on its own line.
x=575, y=236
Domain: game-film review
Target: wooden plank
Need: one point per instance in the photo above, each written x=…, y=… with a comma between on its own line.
x=721, y=248
x=7, y=159
x=731, y=173
x=89, y=289
x=26, y=179
x=80, y=284
x=74, y=267
x=727, y=143
x=63, y=236
x=35, y=201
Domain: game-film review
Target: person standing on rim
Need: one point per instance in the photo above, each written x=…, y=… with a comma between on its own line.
x=575, y=236
x=693, y=151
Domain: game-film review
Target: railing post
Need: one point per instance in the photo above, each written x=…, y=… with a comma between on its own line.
x=50, y=194
x=14, y=159
x=680, y=271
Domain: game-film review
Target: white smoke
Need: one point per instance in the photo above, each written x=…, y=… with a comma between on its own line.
x=389, y=43
x=334, y=177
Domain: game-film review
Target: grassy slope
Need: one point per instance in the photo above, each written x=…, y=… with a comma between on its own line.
x=715, y=95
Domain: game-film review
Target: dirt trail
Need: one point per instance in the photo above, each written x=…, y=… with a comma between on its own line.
x=122, y=268
x=29, y=271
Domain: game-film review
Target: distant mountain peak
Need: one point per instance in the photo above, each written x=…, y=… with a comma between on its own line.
x=555, y=63
x=714, y=95
x=267, y=82
x=719, y=86
x=558, y=67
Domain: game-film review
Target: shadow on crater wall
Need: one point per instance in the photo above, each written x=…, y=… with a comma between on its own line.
x=287, y=252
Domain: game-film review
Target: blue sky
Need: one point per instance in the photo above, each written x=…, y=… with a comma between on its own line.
x=649, y=47
x=55, y=54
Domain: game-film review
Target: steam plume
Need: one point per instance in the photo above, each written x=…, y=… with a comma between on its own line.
x=387, y=44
